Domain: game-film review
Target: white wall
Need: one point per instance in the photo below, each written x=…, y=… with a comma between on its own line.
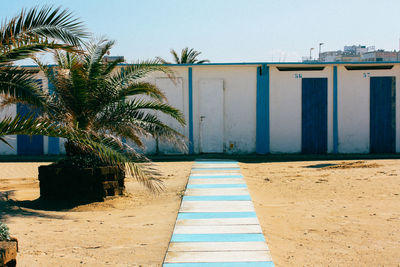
x=285, y=108
x=178, y=97
x=353, y=108
x=240, y=86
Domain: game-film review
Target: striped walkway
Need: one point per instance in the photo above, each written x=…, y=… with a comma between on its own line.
x=217, y=224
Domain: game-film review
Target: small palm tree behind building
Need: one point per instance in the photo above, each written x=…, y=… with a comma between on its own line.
x=188, y=56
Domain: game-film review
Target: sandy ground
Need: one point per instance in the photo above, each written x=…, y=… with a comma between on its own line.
x=317, y=214
x=124, y=231
x=312, y=213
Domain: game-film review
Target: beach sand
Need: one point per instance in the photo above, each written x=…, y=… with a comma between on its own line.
x=313, y=213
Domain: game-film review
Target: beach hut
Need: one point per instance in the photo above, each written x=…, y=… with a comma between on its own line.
x=269, y=107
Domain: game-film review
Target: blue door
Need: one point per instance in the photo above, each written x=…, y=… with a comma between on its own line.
x=382, y=115
x=314, y=115
x=28, y=145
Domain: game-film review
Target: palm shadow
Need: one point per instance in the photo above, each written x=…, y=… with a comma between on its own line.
x=9, y=207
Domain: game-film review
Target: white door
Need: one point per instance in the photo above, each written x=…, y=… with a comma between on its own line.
x=211, y=111
x=173, y=90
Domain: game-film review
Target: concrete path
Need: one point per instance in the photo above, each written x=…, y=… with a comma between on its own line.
x=217, y=224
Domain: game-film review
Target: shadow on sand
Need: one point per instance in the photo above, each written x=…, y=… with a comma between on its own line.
x=9, y=207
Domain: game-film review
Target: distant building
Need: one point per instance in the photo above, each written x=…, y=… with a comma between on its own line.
x=358, y=49
x=330, y=56
x=380, y=55
x=357, y=53
x=113, y=58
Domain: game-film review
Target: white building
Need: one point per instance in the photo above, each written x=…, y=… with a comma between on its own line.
x=275, y=108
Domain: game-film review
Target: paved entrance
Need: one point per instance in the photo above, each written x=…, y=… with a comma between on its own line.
x=217, y=224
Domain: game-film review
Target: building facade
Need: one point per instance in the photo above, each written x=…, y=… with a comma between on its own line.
x=271, y=108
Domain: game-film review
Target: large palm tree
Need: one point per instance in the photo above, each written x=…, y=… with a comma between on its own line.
x=104, y=100
x=187, y=56
x=39, y=30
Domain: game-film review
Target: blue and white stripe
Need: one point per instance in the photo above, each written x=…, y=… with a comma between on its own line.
x=217, y=224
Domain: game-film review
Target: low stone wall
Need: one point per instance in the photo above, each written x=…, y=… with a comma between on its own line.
x=66, y=183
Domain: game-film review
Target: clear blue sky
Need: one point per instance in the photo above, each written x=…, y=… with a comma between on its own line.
x=233, y=31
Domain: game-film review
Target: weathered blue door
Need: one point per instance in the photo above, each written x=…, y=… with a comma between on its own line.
x=314, y=115
x=382, y=115
x=28, y=145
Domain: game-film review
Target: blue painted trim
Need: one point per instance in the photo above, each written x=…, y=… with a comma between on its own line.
x=216, y=176
x=217, y=186
x=217, y=238
x=217, y=198
x=335, y=112
x=190, y=85
x=259, y=63
x=262, y=113
x=216, y=169
x=215, y=215
x=222, y=264
x=287, y=63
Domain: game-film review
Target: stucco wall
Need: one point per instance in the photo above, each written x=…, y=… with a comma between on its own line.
x=353, y=108
x=285, y=108
x=240, y=83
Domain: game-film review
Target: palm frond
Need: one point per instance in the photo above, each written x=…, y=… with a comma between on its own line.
x=141, y=88
x=164, y=108
x=25, y=51
x=137, y=71
x=163, y=61
x=96, y=51
x=18, y=83
x=136, y=116
x=176, y=57
x=106, y=147
x=188, y=56
x=46, y=23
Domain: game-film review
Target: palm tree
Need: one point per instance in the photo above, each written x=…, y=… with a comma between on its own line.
x=45, y=29
x=188, y=56
x=97, y=97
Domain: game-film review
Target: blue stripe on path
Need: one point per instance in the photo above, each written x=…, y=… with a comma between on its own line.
x=215, y=176
x=217, y=237
x=215, y=169
x=221, y=264
x=215, y=198
x=215, y=215
x=216, y=186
